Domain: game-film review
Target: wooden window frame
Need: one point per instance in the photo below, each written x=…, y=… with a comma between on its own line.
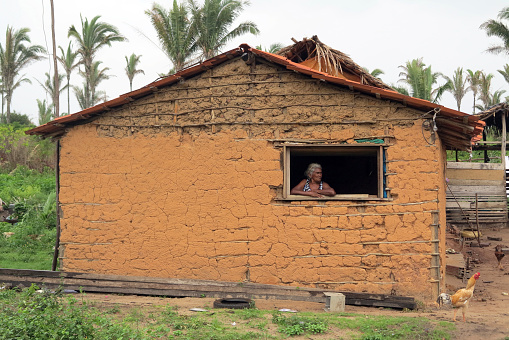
x=383, y=193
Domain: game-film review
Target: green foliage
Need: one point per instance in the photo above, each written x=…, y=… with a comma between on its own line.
x=298, y=325
x=498, y=29
x=131, y=69
x=17, y=148
x=34, y=197
x=94, y=35
x=212, y=22
x=422, y=80
x=175, y=32
x=18, y=120
x=382, y=327
x=16, y=54
x=44, y=314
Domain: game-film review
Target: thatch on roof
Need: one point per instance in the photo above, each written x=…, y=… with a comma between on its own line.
x=315, y=54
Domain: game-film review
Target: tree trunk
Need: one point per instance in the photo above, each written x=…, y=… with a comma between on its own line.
x=8, y=109
x=68, y=99
x=56, y=87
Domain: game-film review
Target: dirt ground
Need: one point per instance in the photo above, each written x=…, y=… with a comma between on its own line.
x=487, y=316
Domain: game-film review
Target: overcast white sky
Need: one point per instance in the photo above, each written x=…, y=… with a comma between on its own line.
x=374, y=33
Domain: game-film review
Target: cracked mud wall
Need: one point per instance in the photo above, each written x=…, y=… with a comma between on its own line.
x=185, y=183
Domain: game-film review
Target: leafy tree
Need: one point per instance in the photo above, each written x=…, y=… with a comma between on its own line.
x=49, y=84
x=18, y=120
x=175, y=32
x=94, y=35
x=131, y=70
x=69, y=61
x=14, y=56
x=212, y=23
x=498, y=29
x=474, y=79
x=422, y=80
x=459, y=86
x=45, y=112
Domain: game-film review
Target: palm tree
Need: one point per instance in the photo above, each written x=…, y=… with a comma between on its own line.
x=45, y=112
x=94, y=35
x=474, y=79
x=175, y=32
x=400, y=89
x=491, y=100
x=422, y=80
x=212, y=23
x=2, y=94
x=375, y=73
x=505, y=72
x=498, y=29
x=14, y=57
x=48, y=86
x=131, y=70
x=459, y=86
x=96, y=77
x=273, y=48
x=485, y=95
x=69, y=62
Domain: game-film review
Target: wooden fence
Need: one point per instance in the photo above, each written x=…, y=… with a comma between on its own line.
x=476, y=192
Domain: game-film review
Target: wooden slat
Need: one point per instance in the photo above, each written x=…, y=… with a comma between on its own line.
x=479, y=189
x=476, y=182
x=89, y=282
x=479, y=166
x=480, y=205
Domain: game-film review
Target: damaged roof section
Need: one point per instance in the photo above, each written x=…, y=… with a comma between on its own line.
x=318, y=56
x=456, y=129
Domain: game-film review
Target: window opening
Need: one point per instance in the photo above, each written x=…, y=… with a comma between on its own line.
x=356, y=171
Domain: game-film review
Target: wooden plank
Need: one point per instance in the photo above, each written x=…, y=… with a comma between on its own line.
x=476, y=182
x=479, y=166
x=480, y=189
x=481, y=205
x=475, y=174
x=89, y=282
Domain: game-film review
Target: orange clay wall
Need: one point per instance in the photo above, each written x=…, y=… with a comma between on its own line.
x=185, y=183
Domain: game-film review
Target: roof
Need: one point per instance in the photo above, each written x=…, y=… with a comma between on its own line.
x=456, y=129
x=315, y=54
x=493, y=115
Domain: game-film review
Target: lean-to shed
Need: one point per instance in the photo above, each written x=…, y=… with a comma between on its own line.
x=476, y=195
x=190, y=177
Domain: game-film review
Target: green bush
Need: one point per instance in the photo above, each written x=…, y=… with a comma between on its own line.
x=44, y=314
x=298, y=325
x=17, y=148
x=34, y=198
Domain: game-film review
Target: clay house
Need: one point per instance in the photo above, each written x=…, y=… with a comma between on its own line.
x=190, y=176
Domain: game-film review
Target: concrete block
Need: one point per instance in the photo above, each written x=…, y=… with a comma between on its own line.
x=334, y=302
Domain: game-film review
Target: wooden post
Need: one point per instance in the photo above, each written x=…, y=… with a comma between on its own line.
x=477, y=220
x=57, y=180
x=504, y=141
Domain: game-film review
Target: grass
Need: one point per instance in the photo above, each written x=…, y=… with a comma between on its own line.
x=29, y=314
x=31, y=239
